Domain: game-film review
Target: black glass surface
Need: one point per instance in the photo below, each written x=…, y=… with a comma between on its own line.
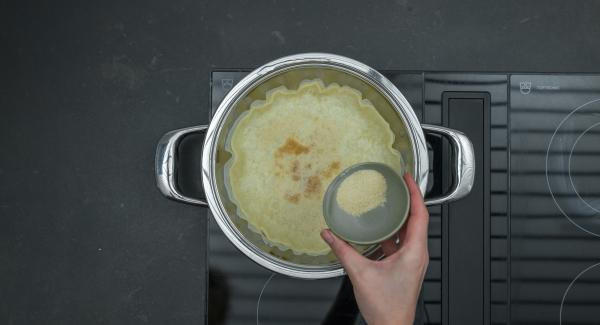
x=554, y=199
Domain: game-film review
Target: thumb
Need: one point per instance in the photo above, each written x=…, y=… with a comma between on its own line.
x=351, y=259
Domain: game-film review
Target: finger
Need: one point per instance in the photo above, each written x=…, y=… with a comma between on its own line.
x=418, y=221
x=402, y=235
x=417, y=204
x=351, y=260
x=389, y=246
x=398, y=241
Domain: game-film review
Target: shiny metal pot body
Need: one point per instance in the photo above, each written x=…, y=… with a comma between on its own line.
x=290, y=71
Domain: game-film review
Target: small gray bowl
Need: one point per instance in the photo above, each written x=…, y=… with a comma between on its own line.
x=377, y=224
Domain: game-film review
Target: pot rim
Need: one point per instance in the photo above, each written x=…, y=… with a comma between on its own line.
x=241, y=89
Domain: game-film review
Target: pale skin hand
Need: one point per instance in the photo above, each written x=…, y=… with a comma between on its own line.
x=387, y=290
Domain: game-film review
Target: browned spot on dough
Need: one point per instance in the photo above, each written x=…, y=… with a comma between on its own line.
x=308, y=166
x=335, y=165
x=313, y=186
x=331, y=169
x=293, y=198
x=291, y=147
x=295, y=178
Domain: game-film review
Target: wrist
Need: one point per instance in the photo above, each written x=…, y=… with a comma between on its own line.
x=400, y=318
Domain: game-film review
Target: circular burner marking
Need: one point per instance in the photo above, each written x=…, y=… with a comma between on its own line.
x=564, y=298
x=549, y=159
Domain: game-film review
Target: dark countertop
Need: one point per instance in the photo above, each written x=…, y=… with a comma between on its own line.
x=88, y=89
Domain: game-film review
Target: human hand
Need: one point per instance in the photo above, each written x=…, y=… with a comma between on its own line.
x=386, y=291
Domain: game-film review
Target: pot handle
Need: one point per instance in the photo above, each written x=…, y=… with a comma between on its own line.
x=166, y=163
x=463, y=164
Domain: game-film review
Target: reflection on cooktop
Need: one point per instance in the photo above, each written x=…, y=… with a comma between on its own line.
x=572, y=166
x=555, y=174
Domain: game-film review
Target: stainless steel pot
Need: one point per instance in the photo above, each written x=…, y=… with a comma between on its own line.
x=290, y=71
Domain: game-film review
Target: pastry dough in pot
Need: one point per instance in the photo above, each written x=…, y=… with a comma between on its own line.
x=287, y=149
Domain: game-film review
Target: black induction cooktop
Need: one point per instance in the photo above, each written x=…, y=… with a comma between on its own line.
x=522, y=248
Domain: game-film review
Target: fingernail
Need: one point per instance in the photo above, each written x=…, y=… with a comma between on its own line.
x=327, y=236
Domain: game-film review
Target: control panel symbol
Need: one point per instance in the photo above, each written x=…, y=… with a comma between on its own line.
x=226, y=84
x=525, y=87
